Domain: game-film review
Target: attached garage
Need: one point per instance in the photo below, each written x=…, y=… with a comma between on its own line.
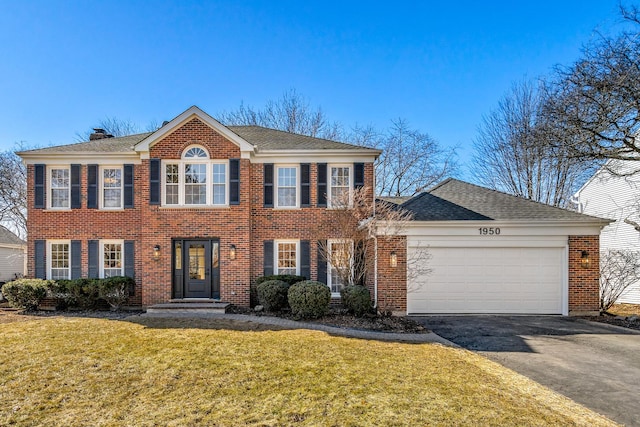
x=475, y=250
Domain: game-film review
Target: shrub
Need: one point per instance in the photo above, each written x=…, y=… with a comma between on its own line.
x=25, y=293
x=272, y=294
x=356, y=299
x=309, y=299
x=115, y=290
x=85, y=292
x=289, y=279
x=59, y=290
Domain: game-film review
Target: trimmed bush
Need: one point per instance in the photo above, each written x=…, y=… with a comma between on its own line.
x=85, y=292
x=356, y=299
x=115, y=290
x=309, y=299
x=25, y=293
x=289, y=279
x=58, y=289
x=272, y=294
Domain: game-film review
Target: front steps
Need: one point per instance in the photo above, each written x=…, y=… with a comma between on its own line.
x=186, y=307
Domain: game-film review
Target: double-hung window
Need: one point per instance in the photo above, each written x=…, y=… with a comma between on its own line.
x=59, y=260
x=111, y=194
x=287, y=257
x=339, y=185
x=287, y=181
x=111, y=258
x=339, y=265
x=195, y=180
x=60, y=187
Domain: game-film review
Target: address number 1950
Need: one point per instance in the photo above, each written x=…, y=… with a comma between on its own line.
x=489, y=231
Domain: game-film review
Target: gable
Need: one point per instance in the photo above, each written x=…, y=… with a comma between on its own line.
x=194, y=132
x=196, y=121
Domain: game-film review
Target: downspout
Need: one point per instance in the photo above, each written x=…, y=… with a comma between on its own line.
x=375, y=246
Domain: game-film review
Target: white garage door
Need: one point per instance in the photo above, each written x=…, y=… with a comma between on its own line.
x=489, y=280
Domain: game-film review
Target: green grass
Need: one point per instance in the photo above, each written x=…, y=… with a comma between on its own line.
x=79, y=372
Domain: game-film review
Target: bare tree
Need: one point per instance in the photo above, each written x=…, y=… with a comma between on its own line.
x=594, y=104
x=357, y=225
x=411, y=161
x=514, y=152
x=619, y=269
x=291, y=113
x=118, y=127
x=13, y=193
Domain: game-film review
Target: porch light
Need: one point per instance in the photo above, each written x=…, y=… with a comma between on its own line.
x=584, y=259
x=393, y=259
x=232, y=252
x=156, y=252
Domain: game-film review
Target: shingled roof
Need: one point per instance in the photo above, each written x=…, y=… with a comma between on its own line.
x=9, y=238
x=264, y=139
x=453, y=200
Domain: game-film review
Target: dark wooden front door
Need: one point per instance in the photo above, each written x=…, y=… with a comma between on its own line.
x=196, y=269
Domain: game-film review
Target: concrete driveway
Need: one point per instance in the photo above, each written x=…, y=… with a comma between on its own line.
x=593, y=364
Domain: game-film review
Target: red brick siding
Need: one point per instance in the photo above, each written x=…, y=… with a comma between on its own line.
x=584, y=283
x=392, y=281
x=245, y=225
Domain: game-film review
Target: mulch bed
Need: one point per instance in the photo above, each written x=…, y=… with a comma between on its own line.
x=631, y=322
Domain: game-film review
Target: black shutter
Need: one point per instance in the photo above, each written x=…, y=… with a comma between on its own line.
x=358, y=175
x=322, y=262
x=234, y=181
x=268, y=258
x=75, y=187
x=39, y=182
x=129, y=263
x=76, y=259
x=305, y=185
x=40, y=258
x=322, y=185
x=94, y=259
x=92, y=186
x=305, y=259
x=268, y=185
x=154, y=181
x=128, y=186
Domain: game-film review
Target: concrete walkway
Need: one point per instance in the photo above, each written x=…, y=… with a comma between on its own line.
x=332, y=330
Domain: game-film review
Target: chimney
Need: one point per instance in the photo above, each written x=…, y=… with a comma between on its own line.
x=99, y=134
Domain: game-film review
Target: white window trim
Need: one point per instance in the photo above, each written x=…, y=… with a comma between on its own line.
x=330, y=267
x=276, y=243
x=181, y=181
x=49, y=180
x=102, y=188
x=49, y=257
x=350, y=189
x=101, y=247
x=297, y=186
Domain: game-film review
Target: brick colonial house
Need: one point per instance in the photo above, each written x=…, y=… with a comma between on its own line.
x=198, y=210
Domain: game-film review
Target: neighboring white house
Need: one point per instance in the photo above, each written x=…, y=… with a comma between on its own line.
x=13, y=256
x=615, y=197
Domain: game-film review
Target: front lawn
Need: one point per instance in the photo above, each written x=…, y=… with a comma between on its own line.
x=98, y=372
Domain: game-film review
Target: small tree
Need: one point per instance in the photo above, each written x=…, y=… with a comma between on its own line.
x=359, y=224
x=619, y=269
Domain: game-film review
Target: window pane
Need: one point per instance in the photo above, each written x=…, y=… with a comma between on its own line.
x=340, y=262
x=195, y=189
x=59, y=261
x=171, y=185
x=178, y=261
x=339, y=185
x=287, y=258
x=287, y=184
x=196, y=152
x=112, y=259
x=60, y=188
x=112, y=184
x=219, y=184
x=196, y=261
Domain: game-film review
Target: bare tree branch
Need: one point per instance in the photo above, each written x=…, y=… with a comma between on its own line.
x=619, y=269
x=13, y=193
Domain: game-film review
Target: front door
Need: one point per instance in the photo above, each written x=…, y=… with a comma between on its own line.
x=196, y=269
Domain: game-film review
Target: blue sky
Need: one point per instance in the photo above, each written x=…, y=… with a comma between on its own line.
x=66, y=65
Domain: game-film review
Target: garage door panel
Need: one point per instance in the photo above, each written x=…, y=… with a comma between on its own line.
x=489, y=280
